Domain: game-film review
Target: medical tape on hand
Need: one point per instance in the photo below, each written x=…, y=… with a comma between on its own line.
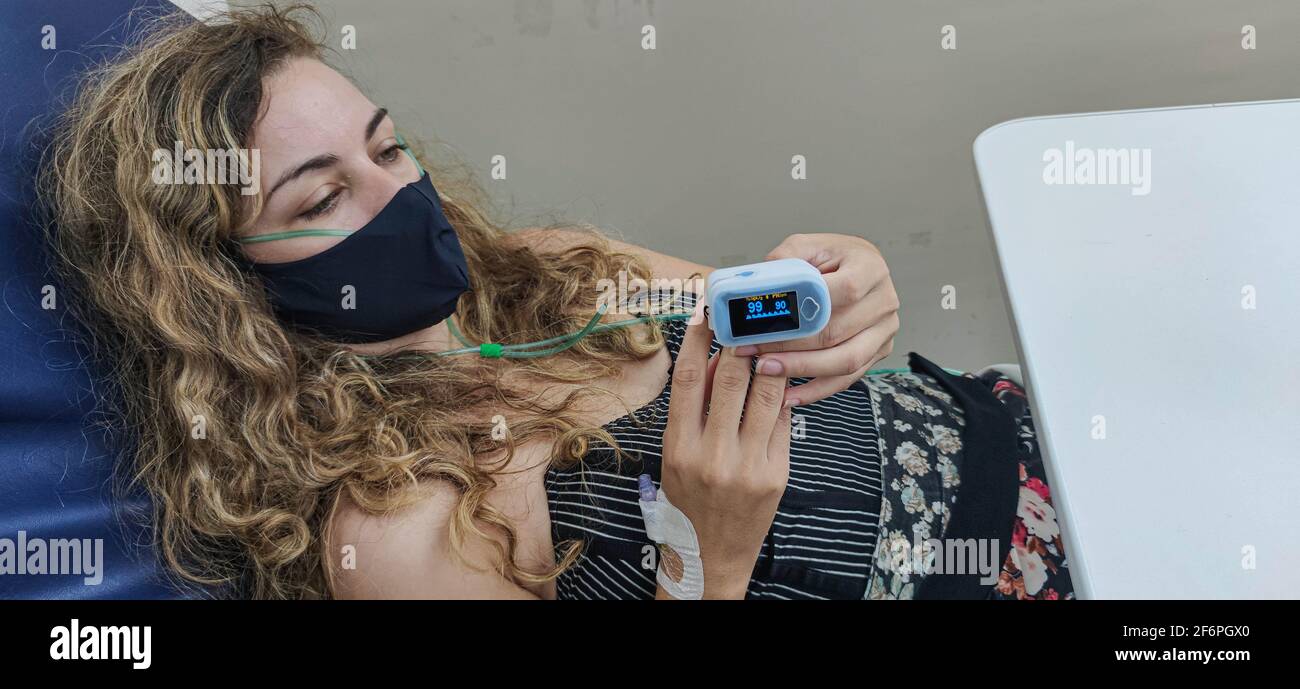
x=681, y=572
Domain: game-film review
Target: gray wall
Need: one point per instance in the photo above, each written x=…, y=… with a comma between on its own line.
x=686, y=149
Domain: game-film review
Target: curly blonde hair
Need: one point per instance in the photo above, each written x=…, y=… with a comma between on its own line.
x=293, y=422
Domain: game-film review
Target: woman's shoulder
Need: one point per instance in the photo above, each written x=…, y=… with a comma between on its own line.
x=409, y=552
x=372, y=553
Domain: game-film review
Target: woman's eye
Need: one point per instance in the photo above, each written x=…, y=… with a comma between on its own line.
x=387, y=156
x=325, y=206
x=392, y=153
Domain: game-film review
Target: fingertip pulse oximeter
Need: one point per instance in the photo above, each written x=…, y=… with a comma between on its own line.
x=786, y=299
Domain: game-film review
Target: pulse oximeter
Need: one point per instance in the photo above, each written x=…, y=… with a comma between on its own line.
x=786, y=299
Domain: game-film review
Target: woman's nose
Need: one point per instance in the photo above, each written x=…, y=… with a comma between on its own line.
x=376, y=187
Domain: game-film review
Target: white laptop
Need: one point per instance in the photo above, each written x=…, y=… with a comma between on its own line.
x=1151, y=262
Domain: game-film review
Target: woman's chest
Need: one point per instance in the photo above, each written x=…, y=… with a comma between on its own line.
x=820, y=545
x=521, y=494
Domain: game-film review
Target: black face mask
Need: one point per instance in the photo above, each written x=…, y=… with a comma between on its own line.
x=401, y=272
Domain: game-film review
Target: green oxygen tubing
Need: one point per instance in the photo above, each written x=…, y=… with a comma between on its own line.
x=555, y=345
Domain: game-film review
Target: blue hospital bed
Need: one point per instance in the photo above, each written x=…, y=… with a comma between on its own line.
x=55, y=466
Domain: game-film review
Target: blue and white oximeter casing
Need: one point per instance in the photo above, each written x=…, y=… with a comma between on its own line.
x=786, y=299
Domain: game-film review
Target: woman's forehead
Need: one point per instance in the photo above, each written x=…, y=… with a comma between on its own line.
x=309, y=104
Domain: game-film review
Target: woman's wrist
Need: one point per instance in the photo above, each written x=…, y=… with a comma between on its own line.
x=728, y=581
x=734, y=590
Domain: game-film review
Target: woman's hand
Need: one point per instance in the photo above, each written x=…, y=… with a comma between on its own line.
x=727, y=477
x=864, y=317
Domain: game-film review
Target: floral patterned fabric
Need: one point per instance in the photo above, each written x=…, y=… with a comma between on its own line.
x=921, y=448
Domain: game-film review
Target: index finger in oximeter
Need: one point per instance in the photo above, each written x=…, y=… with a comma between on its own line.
x=765, y=302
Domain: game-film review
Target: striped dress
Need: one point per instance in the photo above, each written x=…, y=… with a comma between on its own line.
x=820, y=544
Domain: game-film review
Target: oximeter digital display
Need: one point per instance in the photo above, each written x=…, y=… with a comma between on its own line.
x=773, y=301
x=763, y=313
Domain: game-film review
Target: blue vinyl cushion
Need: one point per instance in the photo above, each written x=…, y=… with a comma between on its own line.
x=55, y=467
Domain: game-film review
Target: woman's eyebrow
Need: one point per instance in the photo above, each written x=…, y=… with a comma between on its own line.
x=375, y=120
x=327, y=159
x=319, y=162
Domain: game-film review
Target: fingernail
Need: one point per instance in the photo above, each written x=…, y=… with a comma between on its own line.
x=747, y=350
x=792, y=402
x=700, y=308
x=770, y=367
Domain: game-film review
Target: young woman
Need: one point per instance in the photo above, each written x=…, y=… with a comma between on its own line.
x=277, y=364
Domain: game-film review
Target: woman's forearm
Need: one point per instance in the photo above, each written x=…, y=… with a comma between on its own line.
x=661, y=265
